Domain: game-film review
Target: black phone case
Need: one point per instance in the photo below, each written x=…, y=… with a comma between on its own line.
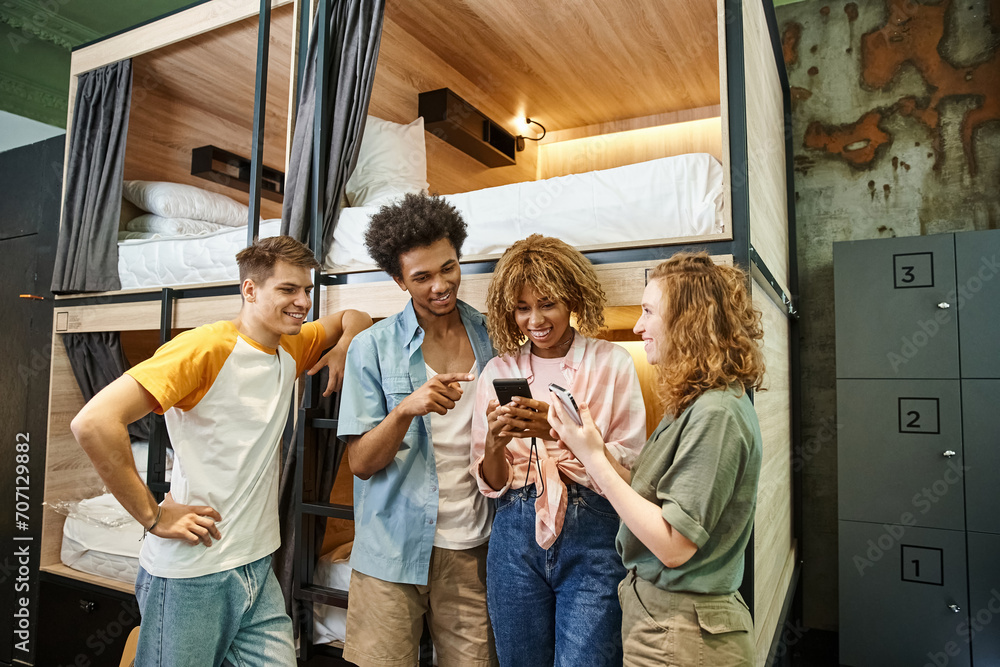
x=508, y=388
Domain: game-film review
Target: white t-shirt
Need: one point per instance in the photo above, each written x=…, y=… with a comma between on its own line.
x=463, y=513
x=225, y=399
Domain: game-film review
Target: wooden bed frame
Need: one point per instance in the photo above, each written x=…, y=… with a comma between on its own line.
x=745, y=128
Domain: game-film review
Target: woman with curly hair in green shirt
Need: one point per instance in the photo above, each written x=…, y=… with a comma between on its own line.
x=688, y=514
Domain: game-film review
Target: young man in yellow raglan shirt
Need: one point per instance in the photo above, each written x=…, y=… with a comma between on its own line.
x=205, y=585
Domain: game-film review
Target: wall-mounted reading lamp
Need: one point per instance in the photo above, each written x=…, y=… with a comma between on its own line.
x=519, y=139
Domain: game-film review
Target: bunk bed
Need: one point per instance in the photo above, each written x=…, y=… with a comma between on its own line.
x=673, y=197
x=732, y=106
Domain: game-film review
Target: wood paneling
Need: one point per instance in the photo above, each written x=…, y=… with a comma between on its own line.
x=765, y=145
x=657, y=120
x=774, y=545
x=66, y=571
x=200, y=91
x=622, y=282
x=572, y=64
x=69, y=474
x=647, y=380
x=407, y=68
x=604, y=151
x=144, y=315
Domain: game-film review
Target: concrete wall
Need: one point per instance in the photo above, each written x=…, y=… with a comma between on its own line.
x=896, y=121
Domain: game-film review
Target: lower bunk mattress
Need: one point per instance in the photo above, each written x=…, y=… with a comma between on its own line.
x=669, y=198
x=333, y=570
x=100, y=538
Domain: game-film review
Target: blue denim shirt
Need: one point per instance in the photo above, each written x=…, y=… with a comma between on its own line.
x=395, y=510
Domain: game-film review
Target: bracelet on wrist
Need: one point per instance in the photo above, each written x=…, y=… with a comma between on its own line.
x=159, y=513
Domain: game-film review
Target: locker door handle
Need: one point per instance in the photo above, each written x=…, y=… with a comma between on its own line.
x=944, y=305
x=955, y=608
x=948, y=453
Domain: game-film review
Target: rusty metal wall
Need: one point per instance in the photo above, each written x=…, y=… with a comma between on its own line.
x=896, y=121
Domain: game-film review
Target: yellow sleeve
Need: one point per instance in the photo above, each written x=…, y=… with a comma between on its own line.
x=182, y=371
x=306, y=346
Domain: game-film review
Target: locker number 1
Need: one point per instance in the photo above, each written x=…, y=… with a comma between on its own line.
x=923, y=565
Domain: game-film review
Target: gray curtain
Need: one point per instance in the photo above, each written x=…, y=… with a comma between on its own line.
x=87, y=254
x=97, y=360
x=355, y=33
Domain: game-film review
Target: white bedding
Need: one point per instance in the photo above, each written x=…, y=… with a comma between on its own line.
x=671, y=197
x=330, y=623
x=99, y=537
x=185, y=260
x=667, y=198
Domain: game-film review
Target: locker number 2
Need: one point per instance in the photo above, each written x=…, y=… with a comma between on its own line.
x=919, y=415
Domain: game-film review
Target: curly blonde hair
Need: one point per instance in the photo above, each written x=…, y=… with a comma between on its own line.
x=553, y=269
x=711, y=330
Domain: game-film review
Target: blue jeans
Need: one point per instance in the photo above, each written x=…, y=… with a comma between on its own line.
x=235, y=618
x=555, y=607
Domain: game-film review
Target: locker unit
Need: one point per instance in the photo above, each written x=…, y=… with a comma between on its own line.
x=918, y=371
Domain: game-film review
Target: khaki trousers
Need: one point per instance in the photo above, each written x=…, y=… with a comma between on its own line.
x=385, y=619
x=683, y=629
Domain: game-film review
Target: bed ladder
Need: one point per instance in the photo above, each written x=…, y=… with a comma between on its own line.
x=308, y=506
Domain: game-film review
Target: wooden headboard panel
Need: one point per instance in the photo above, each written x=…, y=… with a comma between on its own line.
x=200, y=91
x=587, y=149
x=407, y=68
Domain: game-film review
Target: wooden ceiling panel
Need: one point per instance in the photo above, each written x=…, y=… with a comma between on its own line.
x=571, y=64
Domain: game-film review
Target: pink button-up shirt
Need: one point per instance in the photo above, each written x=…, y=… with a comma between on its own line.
x=596, y=372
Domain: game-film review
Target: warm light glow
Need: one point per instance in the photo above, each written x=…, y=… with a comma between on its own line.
x=521, y=126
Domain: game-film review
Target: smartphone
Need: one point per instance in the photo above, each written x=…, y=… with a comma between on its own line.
x=568, y=402
x=508, y=388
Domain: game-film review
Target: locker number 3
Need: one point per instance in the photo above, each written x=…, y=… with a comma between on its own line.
x=913, y=270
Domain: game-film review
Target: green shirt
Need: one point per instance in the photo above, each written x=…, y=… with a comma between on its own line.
x=702, y=469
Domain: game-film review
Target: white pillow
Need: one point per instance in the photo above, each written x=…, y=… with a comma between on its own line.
x=392, y=161
x=155, y=224
x=174, y=200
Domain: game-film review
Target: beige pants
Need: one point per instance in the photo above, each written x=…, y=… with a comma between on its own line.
x=385, y=619
x=683, y=629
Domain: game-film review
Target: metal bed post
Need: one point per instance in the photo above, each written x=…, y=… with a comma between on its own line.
x=259, y=112
x=156, y=462
x=740, y=193
x=305, y=480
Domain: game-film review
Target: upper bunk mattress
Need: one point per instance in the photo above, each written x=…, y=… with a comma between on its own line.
x=668, y=198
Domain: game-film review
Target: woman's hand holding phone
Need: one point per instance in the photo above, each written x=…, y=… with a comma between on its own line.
x=498, y=434
x=527, y=418
x=584, y=440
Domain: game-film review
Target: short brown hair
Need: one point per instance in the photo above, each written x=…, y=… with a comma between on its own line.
x=555, y=270
x=712, y=330
x=257, y=261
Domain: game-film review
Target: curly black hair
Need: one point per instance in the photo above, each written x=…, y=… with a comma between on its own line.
x=418, y=220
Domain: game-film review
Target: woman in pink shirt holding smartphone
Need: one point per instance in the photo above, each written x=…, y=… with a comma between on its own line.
x=552, y=568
